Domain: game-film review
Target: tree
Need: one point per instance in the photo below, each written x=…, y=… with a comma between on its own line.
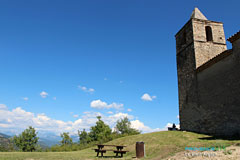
x=27, y=140
x=66, y=139
x=101, y=132
x=123, y=127
x=84, y=137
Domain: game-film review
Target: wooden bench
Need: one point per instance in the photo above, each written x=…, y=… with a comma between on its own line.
x=121, y=152
x=117, y=151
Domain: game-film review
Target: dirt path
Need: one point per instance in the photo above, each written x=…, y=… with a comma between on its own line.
x=231, y=153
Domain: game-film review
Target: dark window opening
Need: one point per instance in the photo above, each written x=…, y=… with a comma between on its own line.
x=209, y=33
x=184, y=38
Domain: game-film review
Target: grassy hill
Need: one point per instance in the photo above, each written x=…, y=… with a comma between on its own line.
x=158, y=145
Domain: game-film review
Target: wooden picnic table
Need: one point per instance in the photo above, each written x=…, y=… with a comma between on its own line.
x=119, y=149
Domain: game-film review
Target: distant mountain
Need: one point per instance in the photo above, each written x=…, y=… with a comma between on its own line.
x=50, y=139
x=45, y=142
x=45, y=139
x=5, y=142
x=53, y=140
x=75, y=138
x=4, y=135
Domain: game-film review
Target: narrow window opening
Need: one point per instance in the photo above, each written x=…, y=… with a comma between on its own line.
x=209, y=33
x=184, y=38
x=186, y=99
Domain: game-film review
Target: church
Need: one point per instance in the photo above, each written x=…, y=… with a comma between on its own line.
x=208, y=77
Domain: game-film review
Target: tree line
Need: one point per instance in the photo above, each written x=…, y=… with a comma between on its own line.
x=27, y=141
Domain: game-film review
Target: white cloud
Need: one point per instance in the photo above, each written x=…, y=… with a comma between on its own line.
x=129, y=110
x=147, y=97
x=103, y=105
x=140, y=126
x=98, y=104
x=25, y=98
x=115, y=105
x=3, y=107
x=110, y=112
x=121, y=115
x=91, y=90
x=154, y=97
x=178, y=116
x=16, y=120
x=85, y=89
x=43, y=94
x=75, y=115
x=54, y=98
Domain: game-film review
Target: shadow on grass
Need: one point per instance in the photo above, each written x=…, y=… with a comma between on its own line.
x=109, y=157
x=230, y=138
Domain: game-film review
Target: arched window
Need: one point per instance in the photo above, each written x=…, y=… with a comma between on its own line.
x=209, y=33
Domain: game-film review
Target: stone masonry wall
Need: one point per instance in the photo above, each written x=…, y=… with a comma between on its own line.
x=186, y=76
x=219, y=102
x=204, y=50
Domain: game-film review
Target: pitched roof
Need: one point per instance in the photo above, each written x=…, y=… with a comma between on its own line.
x=234, y=37
x=198, y=14
x=214, y=60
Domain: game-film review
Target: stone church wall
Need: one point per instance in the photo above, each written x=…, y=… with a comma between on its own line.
x=219, y=97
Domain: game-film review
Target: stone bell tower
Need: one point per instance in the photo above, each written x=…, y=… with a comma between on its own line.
x=198, y=41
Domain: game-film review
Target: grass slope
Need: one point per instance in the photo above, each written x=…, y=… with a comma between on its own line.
x=158, y=145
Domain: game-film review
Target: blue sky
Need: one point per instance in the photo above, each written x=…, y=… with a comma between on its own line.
x=94, y=57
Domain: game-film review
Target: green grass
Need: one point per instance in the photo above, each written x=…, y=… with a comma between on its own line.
x=158, y=145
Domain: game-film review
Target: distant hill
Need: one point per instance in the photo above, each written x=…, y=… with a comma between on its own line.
x=50, y=139
x=44, y=142
x=4, y=135
x=45, y=139
x=75, y=138
x=5, y=143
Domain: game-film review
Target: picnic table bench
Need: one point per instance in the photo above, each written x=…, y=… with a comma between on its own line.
x=118, y=150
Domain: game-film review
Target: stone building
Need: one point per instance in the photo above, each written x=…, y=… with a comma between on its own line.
x=208, y=77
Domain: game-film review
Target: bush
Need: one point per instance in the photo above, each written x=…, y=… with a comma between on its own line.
x=101, y=132
x=27, y=141
x=123, y=127
x=84, y=137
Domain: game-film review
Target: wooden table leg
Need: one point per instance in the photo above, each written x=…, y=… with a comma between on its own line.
x=97, y=153
x=117, y=152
